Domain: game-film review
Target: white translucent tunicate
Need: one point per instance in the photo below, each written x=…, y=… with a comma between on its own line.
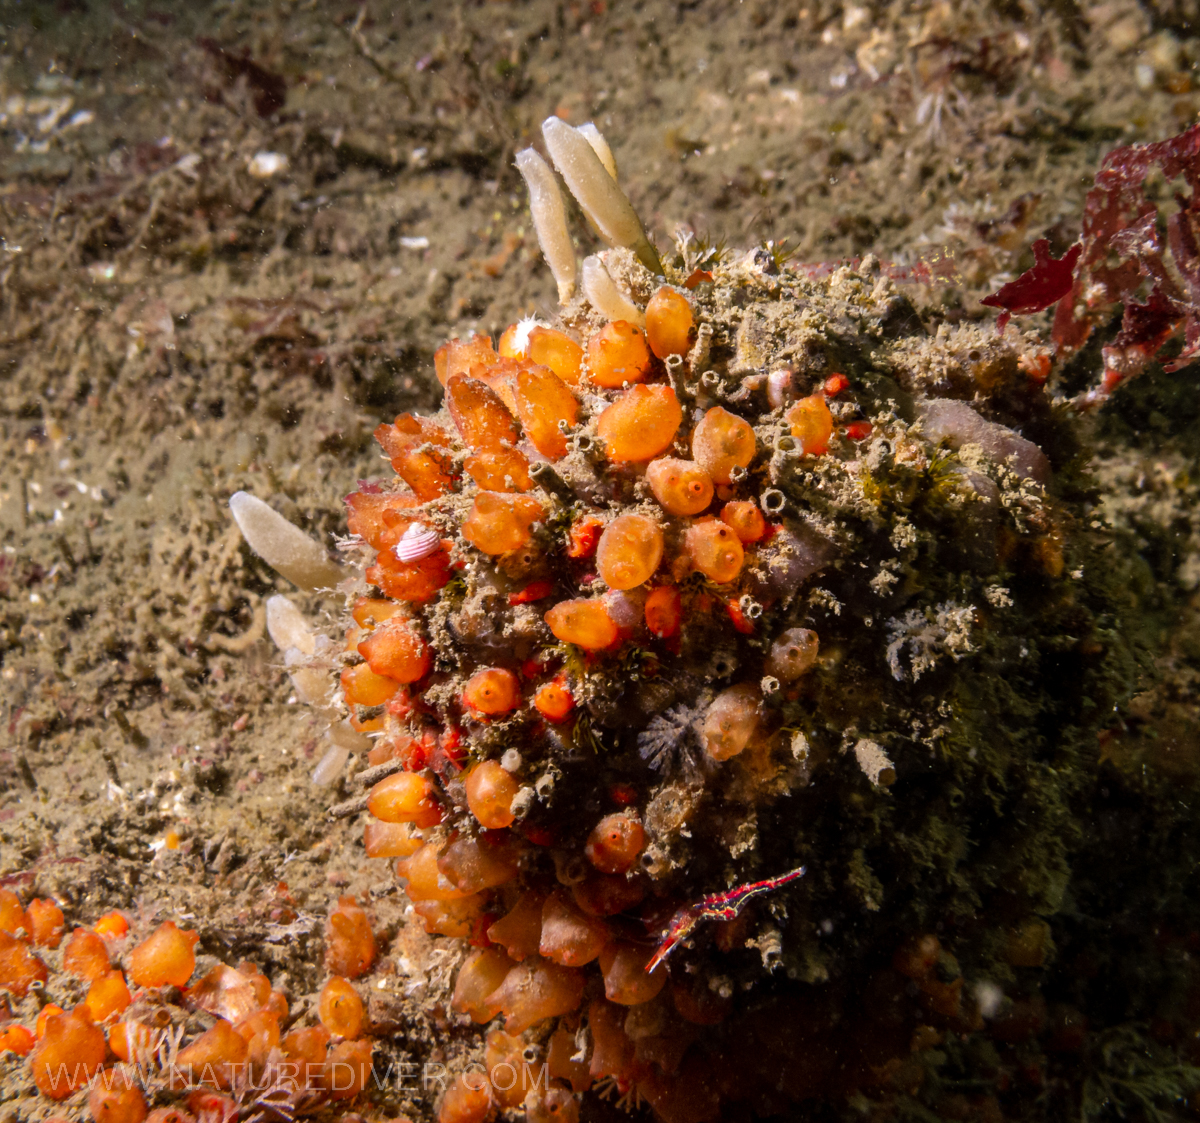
x=283, y=546
x=793, y=653
x=330, y=766
x=603, y=294
x=596, y=191
x=595, y=138
x=549, y=220
x=958, y=424
x=287, y=627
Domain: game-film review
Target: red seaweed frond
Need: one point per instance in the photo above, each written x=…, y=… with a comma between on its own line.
x=1123, y=248
x=1036, y=289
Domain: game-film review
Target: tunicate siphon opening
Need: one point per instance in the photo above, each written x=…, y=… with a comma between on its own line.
x=785, y=445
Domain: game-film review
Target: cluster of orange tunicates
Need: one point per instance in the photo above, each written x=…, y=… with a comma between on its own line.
x=101, y=1044
x=479, y=487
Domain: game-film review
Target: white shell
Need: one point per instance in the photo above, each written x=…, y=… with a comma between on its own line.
x=417, y=542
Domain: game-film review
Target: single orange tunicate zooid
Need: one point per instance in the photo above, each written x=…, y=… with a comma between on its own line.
x=617, y=354
x=492, y=691
x=499, y=523
x=350, y=946
x=554, y=701
x=85, y=955
x=559, y=352
x=166, y=957
x=715, y=550
x=615, y=842
x=459, y=356
x=340, y=1008
x=545, y=406
x=478, y=413
x=664, y=611
x=45, y=922
x=640, y=424
x=585, y=623
x=721, y=442
x=396, y=650
x=115, y=1097
x=681, y=487
x=490, y=792
x=811, y=423
x=669, y=323
x=745, y=519
x=629, y=551
x=69, y=1054
x=405, y=797
x=363, y=687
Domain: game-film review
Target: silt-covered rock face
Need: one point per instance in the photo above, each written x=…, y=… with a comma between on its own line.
x=802, y=583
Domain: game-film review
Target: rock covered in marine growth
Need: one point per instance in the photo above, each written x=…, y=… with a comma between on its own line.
x=651, y=612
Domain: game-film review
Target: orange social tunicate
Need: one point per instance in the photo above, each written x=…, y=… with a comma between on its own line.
x=482, y=862
x=570, y=937
x=107, y=995
x=425, y=882
x=669, y=323
x=350, y=946
x=793, y=653
x=640, y=424
x=213, y=1058
x=554, y=702
x=504, y=1062
x=715, y=550
x=306, y=1048
x=617, y=354
x=811, y=424
x=629, y=551
x=111, y=926
x=536, y=990
x=500, y=469
x=69, y=1054
x=519, y=931
x=604, y=894
x=19, y=967
x=260, y=1030
x=615, y=843
x=585, y=623
x=166, y=957
x=16, y=1038
x=492, y=691
x=479, y=977
x=45, y=922
x=44, y=1015
x=12, y=916
x=467, y=1100
x=745, y=520
x=480, y=416
x=681, y=487
x=340, y=1008
x=417, y=449
x=626, y=980
x=369, y=612
x=396, y=650
x=115, y=1097
x=490, y=792
x=499, y=524
x=390, y=840
x=348, y=1068
x=559, y=352
x=721, y=442
x=458, y=919
x=363, y=687
x=413, y=582
x=664, y=611
x=405, y=797
x=379, y=518
x=545, y=406
x=730, y=721
x=552, y=1105
x=460, y=356
x=85, y=955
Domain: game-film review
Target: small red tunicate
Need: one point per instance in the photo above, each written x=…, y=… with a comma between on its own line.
x=858, y=430
x=835, y=384
x=584, y=536
x=554, y=701
x=535, y=590
x=664, y=611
